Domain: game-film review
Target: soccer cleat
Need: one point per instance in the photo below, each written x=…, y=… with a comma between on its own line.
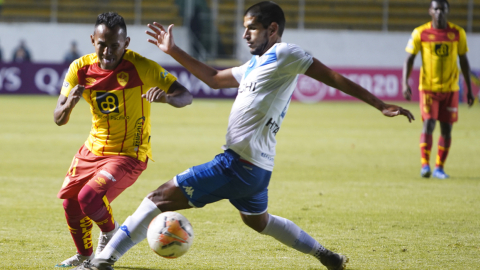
x=439, y=173
x=96, y=264
x=104, y=238
x=75, y=260
x=425, y=171
x=333, y=261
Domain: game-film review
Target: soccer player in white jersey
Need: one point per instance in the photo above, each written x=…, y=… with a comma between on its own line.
x=242, y=173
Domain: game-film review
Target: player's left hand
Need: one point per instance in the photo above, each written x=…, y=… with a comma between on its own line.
x=470, y=98
x=162, y=38
x=156, y=94
x=394, y=110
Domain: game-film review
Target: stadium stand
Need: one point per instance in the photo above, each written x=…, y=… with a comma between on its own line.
x=403, y=15
x=74, y=11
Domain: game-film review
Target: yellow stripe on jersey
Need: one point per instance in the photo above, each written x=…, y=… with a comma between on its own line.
x=440, y=49
x=120, y=116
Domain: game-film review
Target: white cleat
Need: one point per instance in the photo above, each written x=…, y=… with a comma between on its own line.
x=75, y=260
x=104, y=238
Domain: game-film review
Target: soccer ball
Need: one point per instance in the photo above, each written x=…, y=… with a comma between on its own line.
x=170, y=235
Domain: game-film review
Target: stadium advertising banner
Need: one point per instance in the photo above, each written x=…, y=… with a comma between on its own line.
x=30, y=78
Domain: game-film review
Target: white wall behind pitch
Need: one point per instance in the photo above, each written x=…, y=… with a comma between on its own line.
x=358, y=48
x=50, y=42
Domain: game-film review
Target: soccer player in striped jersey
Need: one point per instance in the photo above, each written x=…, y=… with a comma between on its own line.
x=119, y=85
x=242, y=173
x=440, y=43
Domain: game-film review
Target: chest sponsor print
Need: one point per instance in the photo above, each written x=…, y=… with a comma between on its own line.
x=107, y=102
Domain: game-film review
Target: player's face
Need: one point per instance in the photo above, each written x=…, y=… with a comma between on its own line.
x=255, y=35
x=110, y=44
x=439, y=11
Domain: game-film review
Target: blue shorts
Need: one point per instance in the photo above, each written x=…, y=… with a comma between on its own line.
x=227, y=176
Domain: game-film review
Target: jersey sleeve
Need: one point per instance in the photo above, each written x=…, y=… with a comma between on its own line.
x=150, y=72
x=238, y=72
x=414, y=43
x=292, y=59
x=71, y=79
x=462, y=42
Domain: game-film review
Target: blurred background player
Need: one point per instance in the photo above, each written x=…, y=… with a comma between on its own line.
x=21, y=54
x=242, y=173
x=119, y=86
x=72, y=53
x=440, y=42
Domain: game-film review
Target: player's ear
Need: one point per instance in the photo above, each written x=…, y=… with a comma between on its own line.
x=273, y=29
x=92, y=39
x=127, y=42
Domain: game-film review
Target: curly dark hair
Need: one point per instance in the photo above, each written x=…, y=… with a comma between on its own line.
x=111, y=20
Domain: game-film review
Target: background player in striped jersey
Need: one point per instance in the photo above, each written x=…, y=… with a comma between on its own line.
x=119, y=85
x=242, y=173
x=440, y=42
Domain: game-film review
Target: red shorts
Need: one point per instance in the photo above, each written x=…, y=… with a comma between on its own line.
x=112, y=174
x=439, y=106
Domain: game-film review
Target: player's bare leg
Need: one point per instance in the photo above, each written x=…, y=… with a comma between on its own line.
x=167, y=197
x=293, y=236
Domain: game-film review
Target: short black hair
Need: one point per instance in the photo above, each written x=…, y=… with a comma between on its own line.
x=111, y=20
x=267, y=12
x=440, y=2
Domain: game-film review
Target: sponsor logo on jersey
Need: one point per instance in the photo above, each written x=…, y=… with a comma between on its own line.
x=267, y=156
x=107, y=102
x=248, y=86
x=273, y=126
x=122, y=78
x=113, y=117
x=137, y=138
x=431, y=36
x=90, y=81
x=441, y=49
x=66, y=84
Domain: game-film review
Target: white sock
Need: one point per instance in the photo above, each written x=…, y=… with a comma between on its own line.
x=291, y=235
x=132, y=231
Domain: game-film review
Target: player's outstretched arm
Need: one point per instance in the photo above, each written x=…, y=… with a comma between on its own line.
x=178, y=96
x=407, y=69
x=465, y=66
x=65, y=105
x=214, y=78
x=325, y=75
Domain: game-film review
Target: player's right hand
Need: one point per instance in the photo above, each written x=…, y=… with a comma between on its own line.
x=407, y=92
x=75, y=94
x=161, y=38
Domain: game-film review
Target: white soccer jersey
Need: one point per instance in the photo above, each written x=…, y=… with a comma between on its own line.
x=267, y=83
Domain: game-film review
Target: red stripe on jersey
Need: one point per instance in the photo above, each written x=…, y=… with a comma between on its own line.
x=143, y=115
x=108, y=135
x=125, y=115
x=440, y=35
x=94, y=120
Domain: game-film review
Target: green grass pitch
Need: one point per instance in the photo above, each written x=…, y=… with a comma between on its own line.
x=344, y=173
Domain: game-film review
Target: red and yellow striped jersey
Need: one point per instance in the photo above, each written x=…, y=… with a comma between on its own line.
x=440, y=49
x=120, y=116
